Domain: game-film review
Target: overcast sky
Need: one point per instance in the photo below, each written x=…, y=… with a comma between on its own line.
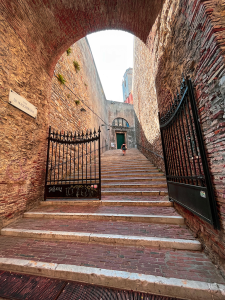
x=113, y=54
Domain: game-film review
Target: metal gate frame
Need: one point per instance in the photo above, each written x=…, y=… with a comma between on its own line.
x=187, y=172
x=73, y=168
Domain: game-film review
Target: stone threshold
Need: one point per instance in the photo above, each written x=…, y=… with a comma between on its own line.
x=106, y=202
x=170, y=287
x=179, y=244
x=160, y=219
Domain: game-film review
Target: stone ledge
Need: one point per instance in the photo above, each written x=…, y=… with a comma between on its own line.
x=170, y=287
x=170, y=243
x=120, y=217
x=107, y=203
x=136, y=193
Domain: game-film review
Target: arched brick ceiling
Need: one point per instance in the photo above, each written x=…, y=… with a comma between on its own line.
x=49, y=27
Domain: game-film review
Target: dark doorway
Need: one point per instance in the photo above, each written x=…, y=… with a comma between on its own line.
x=120, y=140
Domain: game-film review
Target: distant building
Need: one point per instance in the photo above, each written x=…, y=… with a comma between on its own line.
x=127, y=83
x=129, y=99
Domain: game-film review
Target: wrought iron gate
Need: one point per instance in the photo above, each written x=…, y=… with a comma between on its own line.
x=73, y=167
x=187, y=172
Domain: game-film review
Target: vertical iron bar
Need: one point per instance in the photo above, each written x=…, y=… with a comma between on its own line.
x=179, y=149
x=55, y=154
x=99, y=164
x=189, y=134
x=63, y=156
x=66, y=153
x=86, y=156
x=212, y=200
x=195, y=147
x=193, y=135
x=51, y=157
x=90, y=159
x=82, y=147
x=164, y=151
x=59, y=156
x=173, y=142
x=182, y=140
x=70, y=155
x=168, y=152
x=78, y=162
x=74, y=160
x=46, y=174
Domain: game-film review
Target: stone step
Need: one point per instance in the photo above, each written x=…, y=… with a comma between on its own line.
x=92, y=202
x=114, y=239
x=119, y=192
x=132, y=175
x=132, y=179
x=128, y=168
x=122, y=228
x=127, y=165
x=97, y=208
x=158, y=219
x=175, y=273
x=135, y=185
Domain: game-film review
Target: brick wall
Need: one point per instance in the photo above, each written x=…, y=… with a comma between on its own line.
x=23, y=138
x=145, y=104
x=85, y=92
x=188, y=37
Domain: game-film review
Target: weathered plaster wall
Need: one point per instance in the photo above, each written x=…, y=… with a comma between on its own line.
x=125, y=111
x=188, y=37
x=84, y=86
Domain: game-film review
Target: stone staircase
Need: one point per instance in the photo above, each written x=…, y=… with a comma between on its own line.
x=132, y=239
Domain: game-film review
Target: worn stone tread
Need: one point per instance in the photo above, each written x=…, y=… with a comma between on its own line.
x=186, y=265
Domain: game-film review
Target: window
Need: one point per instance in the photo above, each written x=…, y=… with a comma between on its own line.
x=120, y=122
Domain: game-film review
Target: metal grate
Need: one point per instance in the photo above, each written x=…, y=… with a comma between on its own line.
x=22, y=286
x=27, y=287
x=73, y=167
x=77, y=291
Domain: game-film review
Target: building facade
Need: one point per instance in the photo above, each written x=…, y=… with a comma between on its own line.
x=127, y=83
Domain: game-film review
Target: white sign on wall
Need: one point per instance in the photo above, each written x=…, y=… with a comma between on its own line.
x=21, y=103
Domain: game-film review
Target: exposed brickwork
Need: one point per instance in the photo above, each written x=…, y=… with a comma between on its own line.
x=48, y=29
x=145, y=105
x=23, y=139
x=65, y=114
x=188, y=38
x=176, y=264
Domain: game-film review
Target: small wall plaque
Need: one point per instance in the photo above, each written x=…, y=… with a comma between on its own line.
x=22, y=104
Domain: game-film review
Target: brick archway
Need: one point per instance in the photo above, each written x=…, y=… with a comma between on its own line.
x=48, y=28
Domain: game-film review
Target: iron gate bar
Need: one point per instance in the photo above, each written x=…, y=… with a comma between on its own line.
x=186, y=163
x=66, y=177
x=203, y=155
